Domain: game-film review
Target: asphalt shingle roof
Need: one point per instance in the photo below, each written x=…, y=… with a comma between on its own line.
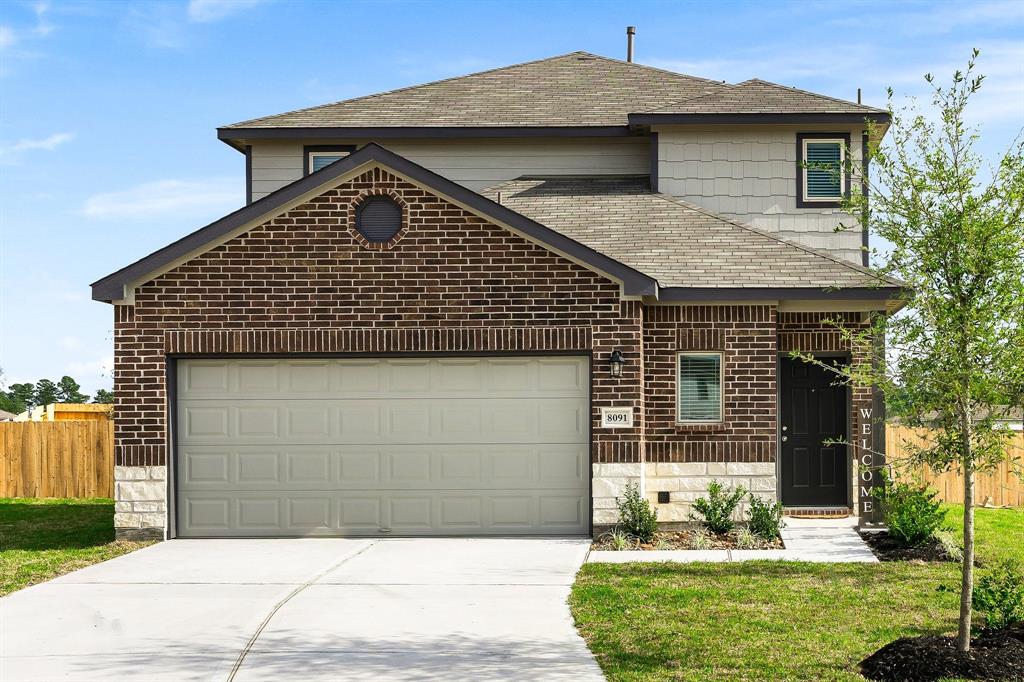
x=756, y=96
x=675, y=242
x=576, y=89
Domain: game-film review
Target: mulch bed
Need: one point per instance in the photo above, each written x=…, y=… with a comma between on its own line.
x=887, y=548
x=684, y=539
x=994, y=655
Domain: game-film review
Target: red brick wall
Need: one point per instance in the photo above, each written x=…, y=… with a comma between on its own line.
x=303, y=282
x=746, y=337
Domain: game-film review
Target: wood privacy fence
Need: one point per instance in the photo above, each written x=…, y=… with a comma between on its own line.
x=1001, y=487
x=57, y=459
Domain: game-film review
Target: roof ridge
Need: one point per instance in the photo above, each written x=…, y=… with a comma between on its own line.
x=768, y=235
x=473, y=74
x=410, y=87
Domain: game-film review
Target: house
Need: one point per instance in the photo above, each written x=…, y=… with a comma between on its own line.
x=6, y=416
x=484, y=305
x=67, y=412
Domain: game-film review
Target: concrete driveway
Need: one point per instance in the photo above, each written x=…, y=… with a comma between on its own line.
x=245, y=610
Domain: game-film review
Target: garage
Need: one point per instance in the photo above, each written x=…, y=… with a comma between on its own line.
x=381, y=447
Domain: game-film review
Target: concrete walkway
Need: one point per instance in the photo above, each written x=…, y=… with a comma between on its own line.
x=248, y=610
x=818, y=540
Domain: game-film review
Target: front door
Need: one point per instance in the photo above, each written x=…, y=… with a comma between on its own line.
x=813, y=473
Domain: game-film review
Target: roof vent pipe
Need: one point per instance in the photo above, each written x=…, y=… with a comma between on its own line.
x=630, y=32
x=858, y=95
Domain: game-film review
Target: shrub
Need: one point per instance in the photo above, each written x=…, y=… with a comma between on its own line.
x=765, y=518
x=999, y=594
x=620, y=541
x=635, y=514
x=911, y=512
x=717, y=508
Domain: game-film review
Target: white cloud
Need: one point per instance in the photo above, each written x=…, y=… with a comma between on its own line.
x=9, y=154
x=70, y=343
x=206, y=11
x=6, y=36
x=91, y=370
x=151, y=200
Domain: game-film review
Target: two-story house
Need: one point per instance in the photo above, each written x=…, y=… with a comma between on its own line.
x=485, y=304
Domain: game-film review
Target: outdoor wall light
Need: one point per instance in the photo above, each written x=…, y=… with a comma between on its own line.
x=615, y=363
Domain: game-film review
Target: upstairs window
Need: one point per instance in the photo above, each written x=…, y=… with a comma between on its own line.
x=699, y=388
x=822, y=181
x=323, y=156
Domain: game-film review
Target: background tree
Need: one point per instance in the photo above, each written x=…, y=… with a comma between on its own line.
x=45, y=392
x=69, y=391
x=103, y=396
x=957, y=241
x=19, y=397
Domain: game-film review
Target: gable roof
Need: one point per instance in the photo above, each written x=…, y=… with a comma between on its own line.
x=575, y=89
x=692, y=252
x=116, y=286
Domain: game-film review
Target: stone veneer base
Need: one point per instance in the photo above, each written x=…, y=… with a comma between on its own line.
x=140, y=502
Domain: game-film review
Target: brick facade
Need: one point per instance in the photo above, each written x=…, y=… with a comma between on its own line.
x=306, y=282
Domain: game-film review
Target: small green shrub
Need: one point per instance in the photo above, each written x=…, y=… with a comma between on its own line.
x=717, y=508
x=950, y=544
x=999, y=594
x=765, y=518
x=620, y=541
x=911, y=512
x=745, y=539
x=700, y=540
x=635, y=514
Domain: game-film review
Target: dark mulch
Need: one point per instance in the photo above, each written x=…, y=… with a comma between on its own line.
x=887, y=548
x=994, y=655
x=685, y=539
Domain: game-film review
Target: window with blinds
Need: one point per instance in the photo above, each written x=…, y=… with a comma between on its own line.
x=318, y=160
x=699, y=387
x=823, y=176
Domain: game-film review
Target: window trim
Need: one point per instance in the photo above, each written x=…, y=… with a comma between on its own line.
x=802, y=200
x=309, y=151
x=721, y=387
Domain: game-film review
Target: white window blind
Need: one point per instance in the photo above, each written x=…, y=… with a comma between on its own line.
x=700, y=387
x=318, y=161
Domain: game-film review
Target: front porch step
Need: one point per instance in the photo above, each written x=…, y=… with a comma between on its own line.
x=817, y=512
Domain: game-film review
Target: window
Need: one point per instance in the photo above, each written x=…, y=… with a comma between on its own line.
x=822, y=180
x=322, y=156
x=699, y=387
x=379, y=219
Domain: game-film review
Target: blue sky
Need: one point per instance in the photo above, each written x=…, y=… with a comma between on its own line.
x=108, y=110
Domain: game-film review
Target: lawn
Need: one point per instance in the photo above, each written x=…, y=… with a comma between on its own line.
x=43, y=538
x=769, y=620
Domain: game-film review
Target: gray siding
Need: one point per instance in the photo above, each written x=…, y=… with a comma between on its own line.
x=477, y=164
x=749, y=175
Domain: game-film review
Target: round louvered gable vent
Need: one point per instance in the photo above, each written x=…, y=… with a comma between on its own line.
x=379, y=219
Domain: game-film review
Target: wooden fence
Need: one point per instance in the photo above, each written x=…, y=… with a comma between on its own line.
x=1001, y=487
x=57, y=459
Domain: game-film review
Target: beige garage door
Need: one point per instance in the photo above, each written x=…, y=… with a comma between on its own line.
x=379, y=447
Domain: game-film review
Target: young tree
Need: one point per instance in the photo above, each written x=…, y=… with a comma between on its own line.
x=956, y=231
x=103, y=396
x=69, y=391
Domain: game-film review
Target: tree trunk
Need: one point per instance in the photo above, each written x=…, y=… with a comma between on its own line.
x=963, y=635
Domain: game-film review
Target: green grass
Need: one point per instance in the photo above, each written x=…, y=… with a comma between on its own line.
x=768, y=620
x=43, y=538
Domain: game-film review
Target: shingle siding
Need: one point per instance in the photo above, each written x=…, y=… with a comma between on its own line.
x=750, y=175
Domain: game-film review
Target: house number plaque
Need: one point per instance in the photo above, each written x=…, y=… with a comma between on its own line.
x=616, y=417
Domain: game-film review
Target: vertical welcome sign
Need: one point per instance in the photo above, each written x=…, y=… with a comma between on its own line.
x=871, y=442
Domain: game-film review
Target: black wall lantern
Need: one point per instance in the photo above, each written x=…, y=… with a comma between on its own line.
x=615, y=363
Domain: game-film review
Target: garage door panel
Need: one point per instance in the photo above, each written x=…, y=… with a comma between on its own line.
x=403, y=446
